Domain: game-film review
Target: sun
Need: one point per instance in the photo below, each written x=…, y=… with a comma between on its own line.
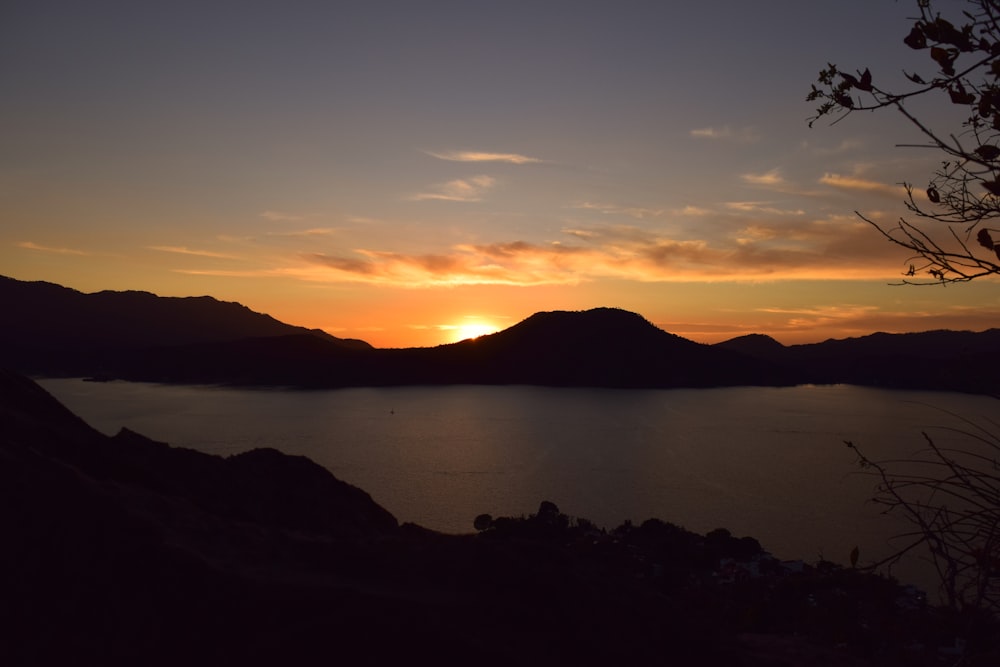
x=473, y=329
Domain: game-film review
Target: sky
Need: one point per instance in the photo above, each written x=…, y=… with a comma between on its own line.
x=414, y=173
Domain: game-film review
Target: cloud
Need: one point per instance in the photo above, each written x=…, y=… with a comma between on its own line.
x=762, y=208
x=835, y=320
x=459, y=190
x=821, y=316
x=30, y=245
x=483, y=156
x=315, y=231
x=767, y=249
x=462, y=266
x=854, y=183
x=744, y=135
x=181, y=250
x=845, y=146
x=858, y=320
x=695, y=211
x=280, y=216
x=227, y=273
x=771, y=178
x=636, y=212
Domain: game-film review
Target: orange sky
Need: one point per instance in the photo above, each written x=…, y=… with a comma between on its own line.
x=410, y=175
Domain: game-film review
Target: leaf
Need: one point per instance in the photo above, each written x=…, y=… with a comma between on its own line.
x=916, y=38
x=959, y=95
x=915, y=78
x=945, y=58
x=992, y=186
x=985, y=240
x=988, y=152
x=946, y=33
x=855, y=552
x=933, y=195
x=865, y=83
x=985, y=105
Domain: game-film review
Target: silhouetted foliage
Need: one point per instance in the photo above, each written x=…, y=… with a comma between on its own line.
x=963, y=194
x=951, y=496
x=483, y=522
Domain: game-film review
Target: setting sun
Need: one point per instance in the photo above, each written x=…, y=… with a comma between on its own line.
x=473, y=329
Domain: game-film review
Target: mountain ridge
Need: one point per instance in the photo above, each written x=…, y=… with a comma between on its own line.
x=55, y=331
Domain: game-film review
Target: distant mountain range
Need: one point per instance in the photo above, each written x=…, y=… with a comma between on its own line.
x=56, y=331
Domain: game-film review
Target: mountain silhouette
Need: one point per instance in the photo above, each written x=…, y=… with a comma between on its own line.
x=607, y=347
x=948, y=360
x=604, y=347
x=55, y=331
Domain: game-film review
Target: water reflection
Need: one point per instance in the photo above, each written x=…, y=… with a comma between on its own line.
x=767, y=462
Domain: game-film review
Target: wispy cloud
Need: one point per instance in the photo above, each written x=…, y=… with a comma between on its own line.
x=280, y=216
x=771, y=178
x=30, y=245
x=821, y=316
x=743, y=135
x=855, y=183
x=637, y=212
x=845, y=146
x=856, y=319
x=181, y=250
x=762, y=207
x=693, y=211
x=227, y=273
x=484, y=156
x=782, y=249
x=834, y=320
x=305, y=233
x=459, y=190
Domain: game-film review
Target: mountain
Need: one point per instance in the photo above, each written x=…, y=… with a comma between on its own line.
x=123, y=551
x=56, y=330
x=943, y=360
x=755, y=345
x=606, y=347
x=603, y=347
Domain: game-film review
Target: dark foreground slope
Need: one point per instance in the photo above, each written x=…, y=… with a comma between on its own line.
x=126, y=551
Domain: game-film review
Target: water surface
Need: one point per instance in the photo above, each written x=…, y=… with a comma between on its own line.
x=766, y=462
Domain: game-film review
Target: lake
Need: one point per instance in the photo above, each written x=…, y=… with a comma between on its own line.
x=766, y=462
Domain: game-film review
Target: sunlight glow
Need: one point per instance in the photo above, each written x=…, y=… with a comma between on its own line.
x=473, y=329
